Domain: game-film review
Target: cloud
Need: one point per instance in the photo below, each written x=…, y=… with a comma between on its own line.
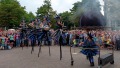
x=31, y=5
x=62, y=5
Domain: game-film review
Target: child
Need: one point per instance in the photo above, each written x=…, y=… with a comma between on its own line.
x=74, y=42
x=11, y=38
x=3, y=41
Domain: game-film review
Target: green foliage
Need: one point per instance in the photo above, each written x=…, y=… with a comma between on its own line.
x=71, y=19
x=76, y=12
x=46, y=9
x=11, y=13
x=29, y=17
x=66, y=19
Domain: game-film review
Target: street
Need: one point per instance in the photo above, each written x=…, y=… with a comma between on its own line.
x=18, y=58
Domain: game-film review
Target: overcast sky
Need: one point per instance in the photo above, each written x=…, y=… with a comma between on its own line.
x=58, y=5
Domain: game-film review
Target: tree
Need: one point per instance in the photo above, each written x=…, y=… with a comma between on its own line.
x=29, y=17
x=76, y=12
x=66, y=19
x=11, y=13
x=46, y=10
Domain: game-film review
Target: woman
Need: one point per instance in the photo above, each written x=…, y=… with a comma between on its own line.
x=89, y=43
x=11, y=38
x=17, y=38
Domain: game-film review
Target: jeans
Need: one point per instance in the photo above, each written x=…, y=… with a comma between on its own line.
x=17, y=42
x=2, y=45
x=77, y=41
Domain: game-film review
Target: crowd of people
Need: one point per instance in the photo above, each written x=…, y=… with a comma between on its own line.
x=9, y=39
x=75, y=38
x=104, y=38
x=92, y=39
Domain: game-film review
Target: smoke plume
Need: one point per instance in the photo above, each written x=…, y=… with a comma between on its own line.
x=90, y=15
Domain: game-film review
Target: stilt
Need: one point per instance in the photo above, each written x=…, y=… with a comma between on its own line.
x=72, y=61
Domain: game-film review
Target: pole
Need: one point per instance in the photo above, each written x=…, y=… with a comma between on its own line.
x=72, y=61
x=47, y=32
x=48, y=43
x=39, y=49
x=60, y=42
x=60, y=51
x=49, y=50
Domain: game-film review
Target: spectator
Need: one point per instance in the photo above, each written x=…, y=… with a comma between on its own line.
x=3, y=42
x=11, y=38
x=17, y=38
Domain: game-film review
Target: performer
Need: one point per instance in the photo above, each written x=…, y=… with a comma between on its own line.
x=45, y=25
x=23, y=32
x=35, y=23
x=89, y=43
x=59, y=27
x=32, y=24
x=22, y=24
x=59, y=22
x=59, y=34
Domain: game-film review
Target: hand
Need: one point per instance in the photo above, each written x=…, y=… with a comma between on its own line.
x=81, y=43
x=101, y=47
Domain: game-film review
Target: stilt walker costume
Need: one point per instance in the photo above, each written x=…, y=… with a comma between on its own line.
x=58, y=32
x=89, y=43
x=45, y=34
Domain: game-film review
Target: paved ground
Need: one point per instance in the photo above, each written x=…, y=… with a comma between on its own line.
x=18, y=58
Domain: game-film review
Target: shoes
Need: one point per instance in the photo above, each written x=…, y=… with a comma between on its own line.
x=92, y=64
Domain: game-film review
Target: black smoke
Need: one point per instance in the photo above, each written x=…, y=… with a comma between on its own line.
x=90, y=13
x=94, y=20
